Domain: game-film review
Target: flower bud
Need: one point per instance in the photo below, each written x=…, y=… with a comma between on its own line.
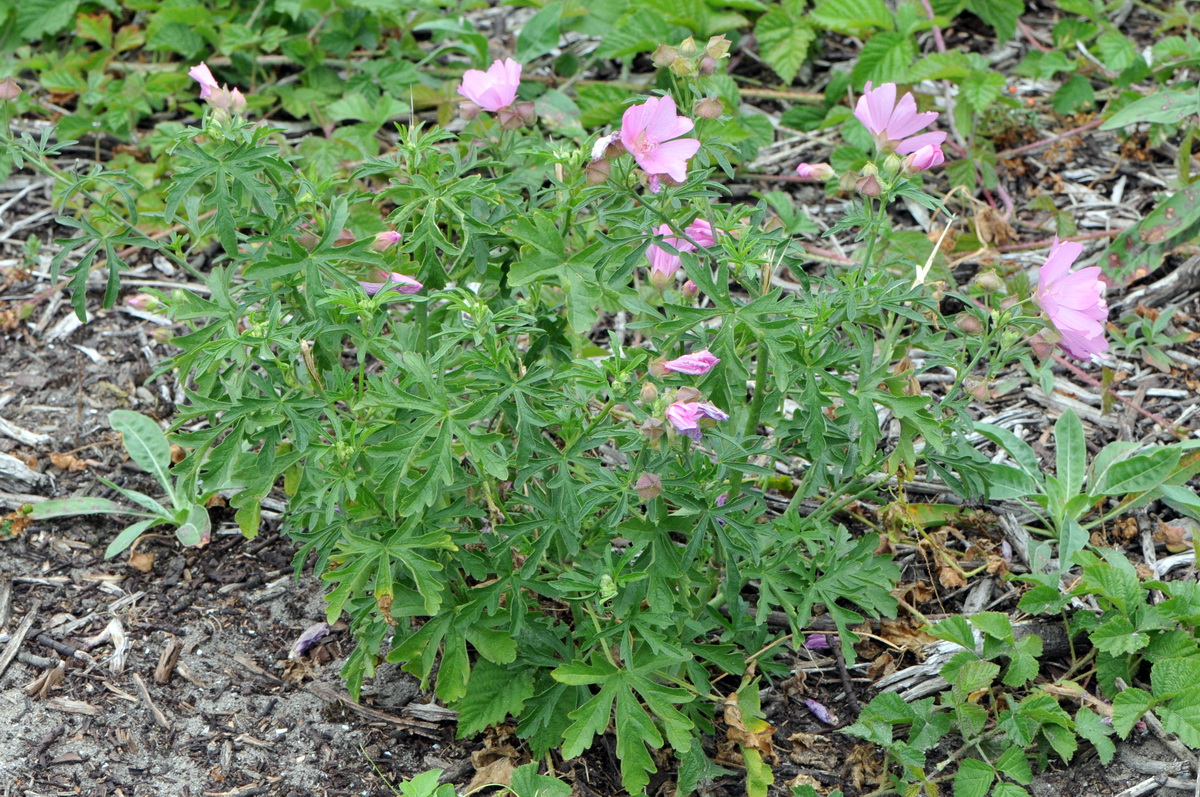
x=527, y=111
x=989, y=281
x=869, y=186
x=344, y=238
x=656, y=367
x=968, y=323
x=924, y=158
x=1008, y=302
x=683, y=67
x=815, y=171
x=664, y=56
x=978, y=389
x=652, y=428
x=1041, y=348
x=660, y=279
x=687, y=395
x=144, y=302
x=649, y=392
x=687, y=48
x=708, y=65
x=690, y=290
x=717, y=47
x=385, y=240
x=9, y=89
x=648, y=486
x=162, y=335
x=596, y=172
x=468, y=110
x=708, y=108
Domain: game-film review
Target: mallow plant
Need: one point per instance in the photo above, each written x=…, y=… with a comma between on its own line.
x=529, y=397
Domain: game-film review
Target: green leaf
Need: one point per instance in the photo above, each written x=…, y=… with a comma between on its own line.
x=783, y=41
x=64, y=507
x=1140, y=249
x=1091, y=727
x=526, y=782
x=1171, y=676
x=1138, y=474
x=981, y=89
x=36, y=18
x=1168, y=106
x=852, y=17
x=146, y=444
x=1074, y=95
x=1117, y=636
x=1002, y=15
x=1182, y=716
x=128, y=535
x=994, y=624
x=1062, y=740
x=974, y=778
x=1116, y=51
x=493, y=692
x=885, y=58
x=1013, y=764
x=1021, y=452
x=759, y=776
x=540, y=34
x=973, y=676
x=1070, y=452
x=1128, y=707
x=589, y=720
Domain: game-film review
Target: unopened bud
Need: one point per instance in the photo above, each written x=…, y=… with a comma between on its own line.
x=683, y=67
x=648, y=486
x=717, y=47
x=690, y=290
x=1008, y=302
x=385, y=240
x=978, y=389
x=652, y=428
x=708, y=108
x=1042, y=349
x=708, y=65
x=162, y=335
x=144, y=302
x=660, y=279
x=9, y=89
x=688, y=395
x=968, y=323
x=468, y=110
x=344, y=238
x=664, y=56
x=527, y=112
x=657, y=369
x=989, y=281
x=596, y=172
x=649, y=392
x=687, y=48
x=815, y=171
x=869, y=186
x=892, y=163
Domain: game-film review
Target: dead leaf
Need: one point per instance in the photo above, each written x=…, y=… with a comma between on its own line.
x=143, y=562
x=992, y=228
x=72, y=706
x=68, y=462
x=949, y=577
x=497, y=773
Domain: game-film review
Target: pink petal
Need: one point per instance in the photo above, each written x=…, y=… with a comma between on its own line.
x=669, y=158
x=876, y=106
x=914, y=143
x=905, y=120
x=701, y=232
x=663, y=123
x=1063, y=255
x=695, y=364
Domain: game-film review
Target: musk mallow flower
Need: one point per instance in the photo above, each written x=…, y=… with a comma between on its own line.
x=1075, y=302
x=695, y=364
x=392, y=281
x=651, y=133
x=494, y=89
x=894, y=123
x=686, y=417
x=219, y=97
x=385, y=240
x=663, y=264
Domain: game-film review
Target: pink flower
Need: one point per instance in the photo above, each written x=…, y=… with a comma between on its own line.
x=686, y=417
x=393, y=280
x=651, y=131
x=1074, y=302
x=494, y=89
x=894, y=123
x=700, y=362
x=924, y=158
x=814, y=171
x=663, y=264
x=202, y=75
x=385, y=239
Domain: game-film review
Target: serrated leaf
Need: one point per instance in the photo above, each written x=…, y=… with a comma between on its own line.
x=852, y=17
x=1116, y=51
x=540, y=34
x=973, y=676
x=36, y=18
x=493, y=692
x=1002, y=15
x=783, y=42
x=974, y=778
x=994, y=624
x=1074, y=95
x=1091, y=727
x=955, y=629
x=981, y=89
x=885, y=58
x=1012, y=763
x=1182, y=716
x=1117, y=637
x=526, y=782
x=1171, y=676
x=1128, y=707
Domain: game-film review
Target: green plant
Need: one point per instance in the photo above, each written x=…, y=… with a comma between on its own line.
x=148, y=447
